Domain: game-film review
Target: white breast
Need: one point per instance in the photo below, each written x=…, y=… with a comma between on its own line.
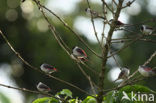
x=143, y=72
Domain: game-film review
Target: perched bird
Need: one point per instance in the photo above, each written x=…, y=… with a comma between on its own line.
x=48, y=68
x=43, y=88
x=147, y=30
x=89, y=11
x=123, y=74
x=146, y=71
x=79, y=53
x=118, y=23
x=94, y=13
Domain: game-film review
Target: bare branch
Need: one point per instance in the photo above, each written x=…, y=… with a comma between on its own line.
x=26, y=90
x=117, y=63
x=88, y=77
x=91, y=69
x=151, y=57
x=92, y=20
x=129, y=83
x=126, y=40
x=67, y=26
x=103, y=1
x=129, y=3
x=30, y=91
x=105, y=52
x=139, y=37
x=148, y=60
x=34, y=68
x=114, y=2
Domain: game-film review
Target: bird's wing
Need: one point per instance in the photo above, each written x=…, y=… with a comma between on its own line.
x=121, y=74
x=148, y=69
x=44, y=86
x=81, y=51
x=148, y=27
x=48, y=66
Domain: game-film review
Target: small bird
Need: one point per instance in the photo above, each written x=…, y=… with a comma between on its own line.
x=147, y=30
x=79, y=53
x=146, y=71
x=123, y=74
x=48, y=68
x=118, y=23
x=89, y=11
x=94, y=13
x=43, y=88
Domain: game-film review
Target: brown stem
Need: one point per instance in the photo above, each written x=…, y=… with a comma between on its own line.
x=105, y=53
x=88, y=77
x=92, y=20
x=34, y=68
x=31, y=91
x=67, y=26
x=147, y=61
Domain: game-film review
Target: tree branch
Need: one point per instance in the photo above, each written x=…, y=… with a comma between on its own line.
x=148, y=61
x=105, y=53
x=36, y=69
x=67, y=26
x=30, y=91
x=92, y=20
x=139, y=37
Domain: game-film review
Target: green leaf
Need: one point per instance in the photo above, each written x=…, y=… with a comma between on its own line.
x=72, y=101
x=42, y=100
x=136, y=88
x=89, y=99
x=66, y=92
x=46, y=100
x=53, y=100
x=129, y=89
x=109, y=98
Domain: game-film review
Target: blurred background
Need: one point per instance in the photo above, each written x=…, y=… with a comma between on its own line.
x=27, y=31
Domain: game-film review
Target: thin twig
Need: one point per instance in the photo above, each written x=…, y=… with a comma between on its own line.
x=88, y=77
x=117, y=63
x=129, y=3
x=116, y=52
x=115, y=2
x=104, y=12
x=68, y=27
x=92, y=20
x=34, y=68
x=26, y=90
x=140, y=23
x=103, y=1
x=91, y=84
x=103, y=34
x=129, y=83
x=52, y=28
x=30, y=91
x=92, y=70
x=145, y=40
x=106, y=51
x=151, y=57
x=147, y=61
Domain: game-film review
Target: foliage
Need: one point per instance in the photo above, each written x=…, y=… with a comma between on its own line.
x=46, y=49
x=114, y=96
